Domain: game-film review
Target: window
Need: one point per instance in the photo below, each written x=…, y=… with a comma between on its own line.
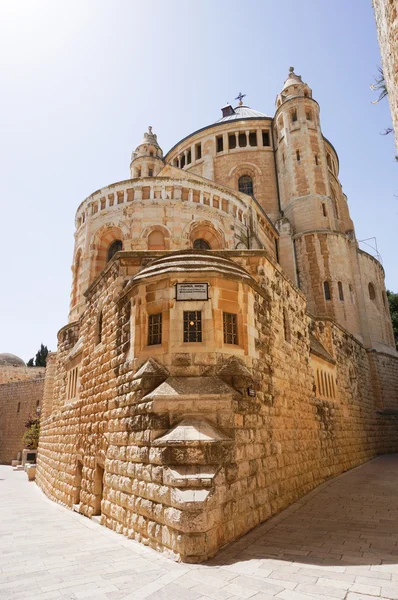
x=192, y=326
x=116, y=246
x=220, y=143
x=252, y=138
x=230, y=327
x=341, y=293
x=99, y=329
x=324, y=209
x=18, y=407
x=151, y=153
x=189, y=157
x=150, y=172
x=242, y=140
x=266, y=138
x=201, y=244
x=198, y=151
x=372, y=293
x=294, y=115
x=231, y=141
x=72, y=383
x=329, y=161
x=326, y=289
x=286, y=326
x=308, y=115
x=155, y=329
x=316, y=160
x=138, y=175
x=245, y=184
x=298, y=155
x=182, y=164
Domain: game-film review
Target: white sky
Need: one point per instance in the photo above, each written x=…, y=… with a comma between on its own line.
x=81, y=81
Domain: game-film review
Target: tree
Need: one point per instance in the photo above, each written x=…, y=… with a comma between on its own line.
x=31, y=435
x=41, y=358
x=393, y=304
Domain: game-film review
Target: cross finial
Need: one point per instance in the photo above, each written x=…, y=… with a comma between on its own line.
x=150, y=129
x=291, y=69
x=240, y=97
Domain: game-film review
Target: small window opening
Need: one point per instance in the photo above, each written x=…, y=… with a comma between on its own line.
x=326, y=289
x=78, y=482
x=324, y=209
x=192, y=326
x=150, y=172
x=189, y=157
x=266, y=138
x=253, y=138
x=116, y=246
x=138, y=173
x=306, y=94
x=294, y=115
x=341, y=293
x=372, y=293
x=245, y=185
x=231, y=141
x=201, y=244
x=329, y=161
x=286, y=326
x=220, y=143
x=99, y=328
x=198, y=151
x=182, y=165
x=155, y=329
x=283, y=158
x=18, y=407
x=230, y=326
x=316, y=160
x=298, y=155
x=242, y=139
x=151, y=153
x=308, y=115
x=98, y=489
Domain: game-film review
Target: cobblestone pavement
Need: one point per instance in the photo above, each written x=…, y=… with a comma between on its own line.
x=339, y=541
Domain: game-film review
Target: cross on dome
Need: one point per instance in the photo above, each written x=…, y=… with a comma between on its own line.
x=240, y=97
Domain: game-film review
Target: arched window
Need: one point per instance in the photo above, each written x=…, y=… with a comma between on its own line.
x=341, y=293
x=113, y=248
x=156, y=240
x=372, y=293
x=201, y=244
x=326, y=289
x=245, y=185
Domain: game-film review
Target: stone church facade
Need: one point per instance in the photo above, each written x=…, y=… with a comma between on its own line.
x=229, y=346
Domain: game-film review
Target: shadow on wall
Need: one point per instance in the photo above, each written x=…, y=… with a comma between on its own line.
x=349, y=520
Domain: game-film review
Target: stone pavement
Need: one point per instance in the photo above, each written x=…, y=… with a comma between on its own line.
x=338, y=542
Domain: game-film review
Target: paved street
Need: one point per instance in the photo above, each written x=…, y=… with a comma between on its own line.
x=339, y=542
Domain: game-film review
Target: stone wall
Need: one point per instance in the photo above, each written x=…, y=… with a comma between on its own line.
x=11, y=373
x=187, y=449
x=18, y=401
x=386, y=13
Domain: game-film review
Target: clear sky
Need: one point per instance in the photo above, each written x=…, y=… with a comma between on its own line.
x=81, y=80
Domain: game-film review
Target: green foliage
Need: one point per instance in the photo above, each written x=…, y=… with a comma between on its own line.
x=41, y=358
x=393, y=304
x=379, y=86
x=31, y=436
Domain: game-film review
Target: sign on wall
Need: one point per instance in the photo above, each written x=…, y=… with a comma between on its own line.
x=192, y=291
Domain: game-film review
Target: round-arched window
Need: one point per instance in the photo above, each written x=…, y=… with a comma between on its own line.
x=245, y=184
x=116, y=246
x=201, y=244
x=372, y=293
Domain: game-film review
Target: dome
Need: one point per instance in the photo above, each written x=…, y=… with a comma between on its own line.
x=192, y=261
x=10, y=360
x=243, y=112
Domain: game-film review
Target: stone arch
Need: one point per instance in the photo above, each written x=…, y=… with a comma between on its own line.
x=158, y=237
x=205, y=230
x=246, y=169
x=77, y=269
x=103, y=239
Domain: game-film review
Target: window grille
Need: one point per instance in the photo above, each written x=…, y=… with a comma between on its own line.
x=230, y=326
x=201, y=244
x=192, y=326
x=116, y=246
x=245, y=185
x=155, y=329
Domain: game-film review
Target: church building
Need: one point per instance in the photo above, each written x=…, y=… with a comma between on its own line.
x=229, y=345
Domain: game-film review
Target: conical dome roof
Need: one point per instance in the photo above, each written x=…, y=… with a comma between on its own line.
x=292, y=79
x=243, y=112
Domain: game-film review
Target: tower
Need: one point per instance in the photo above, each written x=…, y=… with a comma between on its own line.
x=147, y=160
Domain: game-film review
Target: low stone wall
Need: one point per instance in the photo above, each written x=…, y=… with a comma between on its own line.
x=18, y=401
